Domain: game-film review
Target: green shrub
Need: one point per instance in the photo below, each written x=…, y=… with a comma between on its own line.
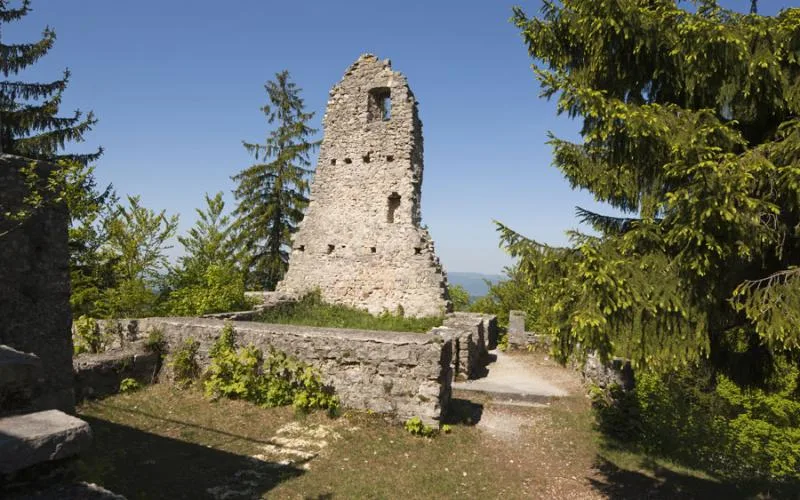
x=86, y=336
x=221, y=290
x=129, y=385
x=277, y=380
x=183, y=362
x=156, y=342
x=459, y=296
x=744, y=434
x=312, y=311
x=415, y=426
x=502, y=342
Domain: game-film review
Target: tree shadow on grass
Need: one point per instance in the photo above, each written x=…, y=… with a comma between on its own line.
x=618, y=483
x=141, y=465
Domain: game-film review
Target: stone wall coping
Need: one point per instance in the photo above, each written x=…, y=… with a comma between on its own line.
x=379, y=336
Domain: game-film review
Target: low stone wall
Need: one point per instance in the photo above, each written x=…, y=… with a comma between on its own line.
x=99, y=375
x=402, y=374
x=472, y=335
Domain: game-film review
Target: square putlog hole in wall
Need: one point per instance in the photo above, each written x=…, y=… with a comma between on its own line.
x=331, y=248
x=379, y=106
x=417, y=250
x=373, y=249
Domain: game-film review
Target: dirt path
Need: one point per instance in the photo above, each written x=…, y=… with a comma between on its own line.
x=536, y=424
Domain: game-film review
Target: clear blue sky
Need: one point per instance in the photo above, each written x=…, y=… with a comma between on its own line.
x=177, y=85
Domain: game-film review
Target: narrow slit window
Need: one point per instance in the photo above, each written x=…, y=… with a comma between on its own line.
x=380, y=104
x=394, y=204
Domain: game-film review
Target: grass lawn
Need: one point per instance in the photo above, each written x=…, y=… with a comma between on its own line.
x=311, y=311
x=162, y=442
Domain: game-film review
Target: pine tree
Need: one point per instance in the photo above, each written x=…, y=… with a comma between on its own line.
x=691, y=127
x=29, y=125
x=272, y=194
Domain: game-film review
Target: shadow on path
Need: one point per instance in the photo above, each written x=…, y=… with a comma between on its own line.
x=141, y=465
x=463, y=412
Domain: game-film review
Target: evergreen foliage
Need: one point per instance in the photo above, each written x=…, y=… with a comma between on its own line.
x=271, y=194
x=29, y=121
x=691, y=126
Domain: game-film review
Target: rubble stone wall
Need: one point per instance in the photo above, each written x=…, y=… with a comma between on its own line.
x=360, y=242
x=402, y=374
x=35, y=314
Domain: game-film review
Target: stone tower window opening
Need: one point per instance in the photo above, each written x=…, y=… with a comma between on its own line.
x=394, y=204
x=379, y=107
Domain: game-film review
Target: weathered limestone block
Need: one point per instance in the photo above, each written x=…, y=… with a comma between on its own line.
x=360, y=242
x=21, y=376
x=516, y=329
x=403, y=374
x=34, y=284
x=30, y=439
x=99, y=375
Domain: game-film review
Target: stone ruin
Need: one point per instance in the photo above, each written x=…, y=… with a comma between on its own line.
x=36, y=379
x=361, y=243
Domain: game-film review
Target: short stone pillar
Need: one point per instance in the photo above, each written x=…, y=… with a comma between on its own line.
x=516, y=328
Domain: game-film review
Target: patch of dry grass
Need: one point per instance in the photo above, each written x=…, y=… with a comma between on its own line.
x=162, y=442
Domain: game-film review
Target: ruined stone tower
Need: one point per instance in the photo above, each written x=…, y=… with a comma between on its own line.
x=361, y=242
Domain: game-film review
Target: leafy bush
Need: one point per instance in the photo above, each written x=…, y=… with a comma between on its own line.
x=279, y=380
x=459, y=296
x=129, y=385
x=312, y=311
x=86, y=336
x=221, y=290
x=156, y=342
x=741, y=433
x=415, y=426
x=185, y=368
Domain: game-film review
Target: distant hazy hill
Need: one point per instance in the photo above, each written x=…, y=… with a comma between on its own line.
x=474, y=282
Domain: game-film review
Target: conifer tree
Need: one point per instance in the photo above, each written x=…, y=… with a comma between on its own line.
x=271, y=194
x=691, y=127
x=29, y=121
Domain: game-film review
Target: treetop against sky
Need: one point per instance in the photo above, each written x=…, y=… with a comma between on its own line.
x=177, y=85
